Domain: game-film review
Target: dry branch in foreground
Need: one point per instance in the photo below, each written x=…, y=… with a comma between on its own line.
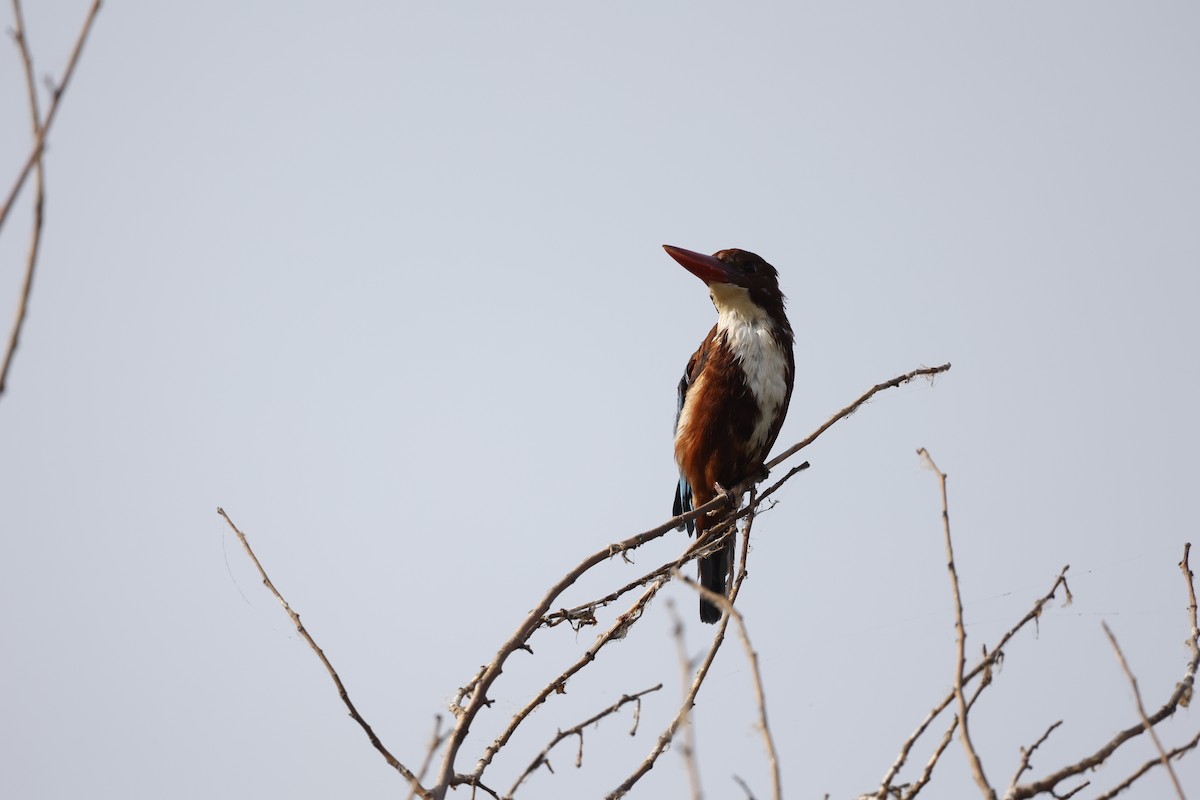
x=473, y=698
x=41, y=127
x=1049, y=785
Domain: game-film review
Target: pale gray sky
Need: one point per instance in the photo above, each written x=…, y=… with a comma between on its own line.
x=384, y=281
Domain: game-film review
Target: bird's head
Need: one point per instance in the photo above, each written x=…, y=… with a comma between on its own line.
x=735, y=278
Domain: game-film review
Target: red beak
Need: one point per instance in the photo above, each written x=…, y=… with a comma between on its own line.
x=706, y=268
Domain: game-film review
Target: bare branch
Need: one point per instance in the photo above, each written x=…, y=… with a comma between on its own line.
x=689, y=698
x=685, y=708
x=474, y=783
x=963, y=726
x=927, y=773
x=478, y=688
x=1194, y=638
x=391, y=760
x=688, y=749
x=1181, y=696
x=1149, y=765
x=1137, y=696
x=585, y=613
x=899, y=380
x=745, y=788
x=44, y=128
x=984, y=666
x=541, y=758
x=616, y=631
x=759, y=694
x=39, y=200
x=435, y=741
x=1027, y=753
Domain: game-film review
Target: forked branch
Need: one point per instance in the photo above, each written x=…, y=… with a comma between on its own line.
x=40, y=129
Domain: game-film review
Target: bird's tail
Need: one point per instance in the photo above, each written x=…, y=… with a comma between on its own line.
x=714, y=571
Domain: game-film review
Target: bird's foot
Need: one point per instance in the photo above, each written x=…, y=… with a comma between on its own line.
x=732, y=495
x=618, y=550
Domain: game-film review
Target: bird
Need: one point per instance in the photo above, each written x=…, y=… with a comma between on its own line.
x=733, y=396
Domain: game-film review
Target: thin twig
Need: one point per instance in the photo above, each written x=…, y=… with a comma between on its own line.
x=960, y=630
x=927, y=773
x=1137, y=696
x=685, y=708
x=1194, y=637
x=43, y=129
x=745, y=787
x=1149, y=765
x=391, y=760
x=759, y=693
x=542, y=757
x=687, y=749
x=435, y=741
x=689, y=698
x=585, y=613
x=474, y=783
x=1027, y=753
x=39, y=200
x=899, y=380
x=491, y=671
x=616, y=631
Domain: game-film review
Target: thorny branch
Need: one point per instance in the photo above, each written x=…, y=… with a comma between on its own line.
x=616, y=631
x=543, y=757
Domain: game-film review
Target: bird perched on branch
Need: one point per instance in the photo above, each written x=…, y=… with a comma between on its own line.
x=733, y=396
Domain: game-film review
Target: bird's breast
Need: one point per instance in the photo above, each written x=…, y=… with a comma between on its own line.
x=730, y=413
x=766, y=368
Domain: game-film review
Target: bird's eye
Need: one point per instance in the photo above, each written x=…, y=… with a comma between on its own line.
x=749, y=268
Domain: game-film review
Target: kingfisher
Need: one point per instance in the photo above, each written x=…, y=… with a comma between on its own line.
x=733, y=396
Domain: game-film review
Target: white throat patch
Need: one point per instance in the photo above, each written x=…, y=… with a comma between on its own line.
x=746, y=328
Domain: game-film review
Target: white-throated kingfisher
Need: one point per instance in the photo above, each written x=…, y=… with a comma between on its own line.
x=734, y=394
